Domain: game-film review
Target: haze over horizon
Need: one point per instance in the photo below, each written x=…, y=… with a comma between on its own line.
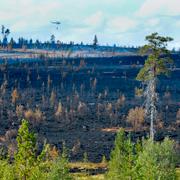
x=120, y=22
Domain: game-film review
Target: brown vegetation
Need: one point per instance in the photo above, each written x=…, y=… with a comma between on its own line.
x=136, y=117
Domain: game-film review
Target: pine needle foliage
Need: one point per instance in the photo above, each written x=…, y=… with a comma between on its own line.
x=158, y=60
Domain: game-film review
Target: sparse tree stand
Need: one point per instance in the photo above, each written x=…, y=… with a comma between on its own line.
x=5, y=32
x=157, y=63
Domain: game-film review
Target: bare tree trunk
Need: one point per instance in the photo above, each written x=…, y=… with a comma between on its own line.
x=150, y=104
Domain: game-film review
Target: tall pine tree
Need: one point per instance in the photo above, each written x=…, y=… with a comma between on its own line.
x=157, y=63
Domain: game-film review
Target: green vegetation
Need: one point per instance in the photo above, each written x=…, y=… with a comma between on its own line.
x=27, y=165
x=157, y=63
x=145, y=159
x=158, y=57
x=25, y=157
x=155, y=160
x=122, y=159
x=85, y=157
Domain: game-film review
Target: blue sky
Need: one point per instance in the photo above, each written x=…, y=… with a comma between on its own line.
x=124, y=22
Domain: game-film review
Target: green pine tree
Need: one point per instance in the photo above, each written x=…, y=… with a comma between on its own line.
x=157, y=63
x=122, y=159
x=158, y=57
x=6, y=170
x=25, y=158
x=156, y=161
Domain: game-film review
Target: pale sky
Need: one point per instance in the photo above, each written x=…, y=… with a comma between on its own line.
x=124, y=22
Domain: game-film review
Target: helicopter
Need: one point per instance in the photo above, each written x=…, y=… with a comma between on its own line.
x=57, y=23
